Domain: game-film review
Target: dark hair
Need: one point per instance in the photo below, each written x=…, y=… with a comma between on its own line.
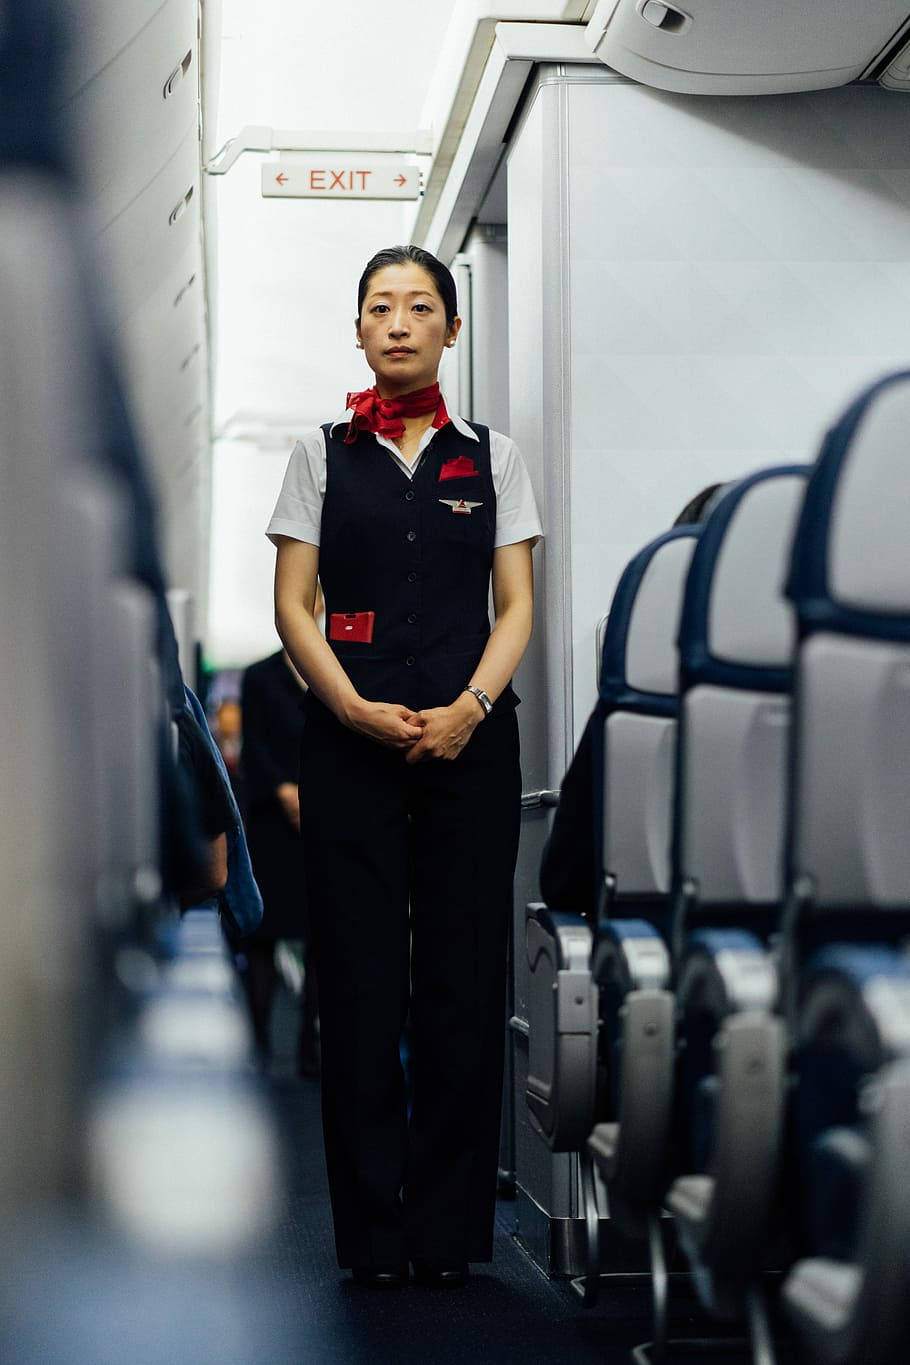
x=415, y=255
x=695, y=510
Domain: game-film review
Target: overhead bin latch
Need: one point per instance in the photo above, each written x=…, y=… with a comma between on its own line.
x=658, y=13
x=663, y=16
x=180, y=208
x=177, y=75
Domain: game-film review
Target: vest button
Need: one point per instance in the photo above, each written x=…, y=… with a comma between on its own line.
x=410, y=661
x=412, y=577
x=412, y=535
x=412, y=618
x=410, y=495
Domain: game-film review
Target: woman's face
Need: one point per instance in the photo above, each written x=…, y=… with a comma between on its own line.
x=403, y=328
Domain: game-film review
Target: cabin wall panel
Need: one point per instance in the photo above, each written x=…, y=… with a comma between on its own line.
x=543, y=705
x=487, y=251
x=737, y=270
x=535, y=321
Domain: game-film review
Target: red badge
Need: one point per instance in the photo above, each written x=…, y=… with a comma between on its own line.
x=352, y=625
x=462, y=467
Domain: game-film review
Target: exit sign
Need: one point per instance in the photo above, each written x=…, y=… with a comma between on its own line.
x=342, y=178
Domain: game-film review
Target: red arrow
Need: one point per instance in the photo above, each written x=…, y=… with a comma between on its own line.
x=281, y=178
x=401, y=180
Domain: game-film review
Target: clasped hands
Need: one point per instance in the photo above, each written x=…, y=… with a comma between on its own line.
x=438, y=732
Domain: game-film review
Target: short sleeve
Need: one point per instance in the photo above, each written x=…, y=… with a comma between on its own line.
x=517, y=517
x=298, y=511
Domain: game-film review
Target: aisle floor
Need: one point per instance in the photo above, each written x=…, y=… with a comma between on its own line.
x=508, y=1312
x=75, y=1292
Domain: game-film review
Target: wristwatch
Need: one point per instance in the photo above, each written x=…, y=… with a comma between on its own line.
x=481, y=696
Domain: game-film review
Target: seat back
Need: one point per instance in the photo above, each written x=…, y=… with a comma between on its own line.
x=850, y=585
x=47, y=848
x=736, y=644
x=639, y=703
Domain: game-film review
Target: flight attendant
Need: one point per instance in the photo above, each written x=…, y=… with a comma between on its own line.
x=409, y=783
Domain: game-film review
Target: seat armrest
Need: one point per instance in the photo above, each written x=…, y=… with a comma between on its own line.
x=563, y=1026
x=630, y=955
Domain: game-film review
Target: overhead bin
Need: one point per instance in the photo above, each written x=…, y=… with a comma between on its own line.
x=156, y=229
x=100, y=31
x=170, y=409
x=168, y=393
x=744, y=47
x=130, y=117
x=166, y=323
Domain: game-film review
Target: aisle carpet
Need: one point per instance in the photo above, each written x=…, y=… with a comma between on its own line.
x=509, y=1311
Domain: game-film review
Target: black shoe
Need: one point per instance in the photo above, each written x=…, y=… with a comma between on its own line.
x=433, y=1276
x=379, y=1277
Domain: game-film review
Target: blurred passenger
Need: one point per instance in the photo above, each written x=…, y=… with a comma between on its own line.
x=410, y=781
x=228, y=726
x=569, y=878
x=272, y=712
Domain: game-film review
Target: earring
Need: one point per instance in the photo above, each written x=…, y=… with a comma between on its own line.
x=359, y=345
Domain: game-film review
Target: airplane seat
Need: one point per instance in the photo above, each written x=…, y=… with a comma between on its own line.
x=50, y=989
x=634, y=772
x=851, y=591
x=847, y=1297
x=562, y=995
x=846, y=987
x=737, y=636
x=842, y=1039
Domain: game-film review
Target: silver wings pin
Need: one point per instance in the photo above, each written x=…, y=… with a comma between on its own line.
x=460, y=505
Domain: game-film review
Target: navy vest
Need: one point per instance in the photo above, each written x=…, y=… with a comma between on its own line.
x=398, y=547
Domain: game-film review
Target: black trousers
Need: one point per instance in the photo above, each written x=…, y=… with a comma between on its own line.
x=409, y=875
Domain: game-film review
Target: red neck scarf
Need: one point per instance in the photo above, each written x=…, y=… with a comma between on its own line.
x=385, y=416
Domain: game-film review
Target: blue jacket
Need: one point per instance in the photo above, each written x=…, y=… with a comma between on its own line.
x=241, y=894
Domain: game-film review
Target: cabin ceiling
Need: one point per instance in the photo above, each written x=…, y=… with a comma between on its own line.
x=287, y=269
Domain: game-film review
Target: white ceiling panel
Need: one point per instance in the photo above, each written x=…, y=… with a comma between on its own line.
x=287, y=282
x=288, y=269
x=300, y=64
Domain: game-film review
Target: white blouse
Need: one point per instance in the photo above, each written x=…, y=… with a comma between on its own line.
x=298, y=511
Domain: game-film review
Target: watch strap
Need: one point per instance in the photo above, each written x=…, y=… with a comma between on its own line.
x=481, y=696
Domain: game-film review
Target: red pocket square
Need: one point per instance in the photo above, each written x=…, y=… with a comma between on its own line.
x=462, y=467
